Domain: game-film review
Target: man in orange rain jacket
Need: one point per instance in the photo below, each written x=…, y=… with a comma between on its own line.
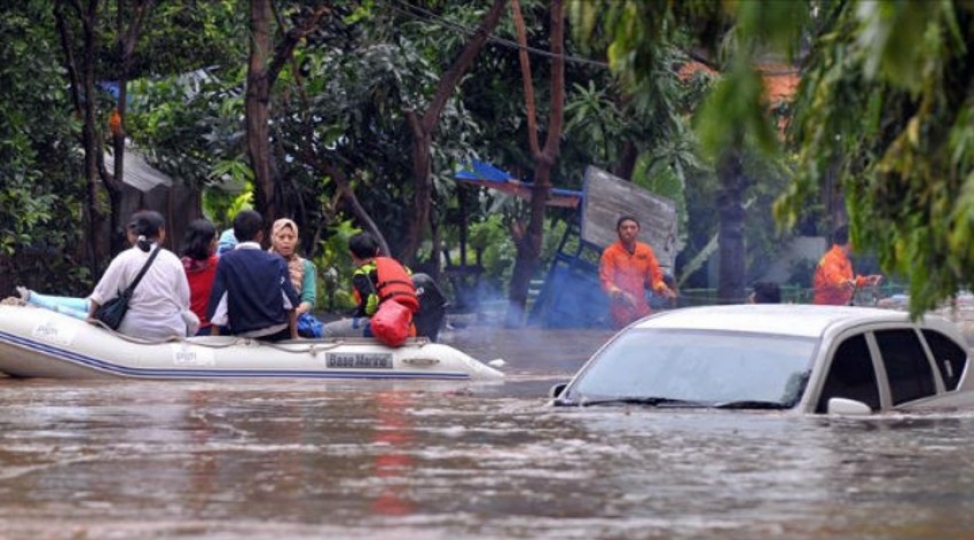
x=626, y=269
x=834, y=281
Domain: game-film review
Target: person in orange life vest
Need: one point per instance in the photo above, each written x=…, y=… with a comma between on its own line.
x=626, y=268
x=376, y=279
x=834, y=281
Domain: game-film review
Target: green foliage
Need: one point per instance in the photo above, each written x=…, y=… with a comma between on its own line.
x=906, y=165
x=592, y=114
x=491, y=238
x=178, y=38
x=885, y=102
x=735, y=112
x=40, y=172
x=221, y=205
x=335, y=269
x=190, y=125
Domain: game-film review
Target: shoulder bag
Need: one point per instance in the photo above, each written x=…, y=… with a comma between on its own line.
x=112, y=312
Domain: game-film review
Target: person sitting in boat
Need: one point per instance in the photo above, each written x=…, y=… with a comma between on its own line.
x=433, y=307
x=145, y=230
x=160, y=303
x=284, y=240
x=68, y=305
x=252, y=294
x=199, y=260
x=377, y=281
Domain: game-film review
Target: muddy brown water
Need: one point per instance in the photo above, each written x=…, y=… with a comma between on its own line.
x=413, y=460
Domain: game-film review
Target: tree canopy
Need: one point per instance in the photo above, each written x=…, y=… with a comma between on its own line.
x=885, y=104
x=886, y=100
x=885, y=107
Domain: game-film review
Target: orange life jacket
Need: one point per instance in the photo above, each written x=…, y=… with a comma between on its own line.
x=394, y=283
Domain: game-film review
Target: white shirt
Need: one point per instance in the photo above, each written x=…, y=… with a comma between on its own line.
x=160, y=298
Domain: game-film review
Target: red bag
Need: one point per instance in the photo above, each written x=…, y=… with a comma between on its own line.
x=391, y=323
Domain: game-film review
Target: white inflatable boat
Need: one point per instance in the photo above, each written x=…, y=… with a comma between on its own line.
x=36, y=342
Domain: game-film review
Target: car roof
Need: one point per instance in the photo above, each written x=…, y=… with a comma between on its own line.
x=802, y=320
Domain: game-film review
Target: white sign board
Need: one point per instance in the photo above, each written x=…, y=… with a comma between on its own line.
x=608, y=197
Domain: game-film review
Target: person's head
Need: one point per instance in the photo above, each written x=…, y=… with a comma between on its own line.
x=284, y=237
x=147, y=226
x=226, y=242
x=766, y=292
x=627, y=227
x=841, y=236
x=200, y=240
x=249, y=226
x=363, y=247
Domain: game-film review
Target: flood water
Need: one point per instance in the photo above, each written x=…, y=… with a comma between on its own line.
x=419, y=460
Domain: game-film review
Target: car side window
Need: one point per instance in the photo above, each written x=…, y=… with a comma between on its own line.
x=909, y=372
x=851, y=375
x=948, y=356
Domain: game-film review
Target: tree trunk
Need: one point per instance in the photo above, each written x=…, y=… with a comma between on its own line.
x=82, y=84
x=529, y=244
x=731, y=238
x=627, y=161
x=126, y=40
x=422, y=186
x=424, y=127
x=256, y=107
x=262, y=71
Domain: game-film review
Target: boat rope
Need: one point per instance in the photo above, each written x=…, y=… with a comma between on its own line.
x=311, y=346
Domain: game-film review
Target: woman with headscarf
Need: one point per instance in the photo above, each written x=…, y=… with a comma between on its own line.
x=284, y=241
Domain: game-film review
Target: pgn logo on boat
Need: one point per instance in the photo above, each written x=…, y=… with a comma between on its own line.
x=192, y=357
x=53, y=333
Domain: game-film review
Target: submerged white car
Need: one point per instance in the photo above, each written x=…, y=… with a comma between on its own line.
x=801, y=358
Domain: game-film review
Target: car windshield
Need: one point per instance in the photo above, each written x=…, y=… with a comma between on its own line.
x=701, y=368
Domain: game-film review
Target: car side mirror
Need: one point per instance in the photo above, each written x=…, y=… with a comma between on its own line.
x=838, y=405
x=556, y=390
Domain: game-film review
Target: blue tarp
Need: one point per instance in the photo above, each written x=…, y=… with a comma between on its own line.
x=487, y=175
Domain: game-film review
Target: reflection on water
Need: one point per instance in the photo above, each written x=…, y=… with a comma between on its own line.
x=414, y=460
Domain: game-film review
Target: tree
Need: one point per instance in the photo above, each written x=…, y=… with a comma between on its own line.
x=263, y=70
x=886, y=99
x=892, y=113
x=42, y=188
x=529, y=241
x=640, y=33
x=423, y=127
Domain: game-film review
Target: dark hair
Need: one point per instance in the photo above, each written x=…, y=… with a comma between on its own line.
x=841, y=236
x=619, y=222
x=146, y=224
x=363, y=245
x=247, y=225
x=198, y=242
x=767, y=292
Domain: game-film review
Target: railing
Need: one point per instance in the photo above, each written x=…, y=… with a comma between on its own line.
x=791, y=294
